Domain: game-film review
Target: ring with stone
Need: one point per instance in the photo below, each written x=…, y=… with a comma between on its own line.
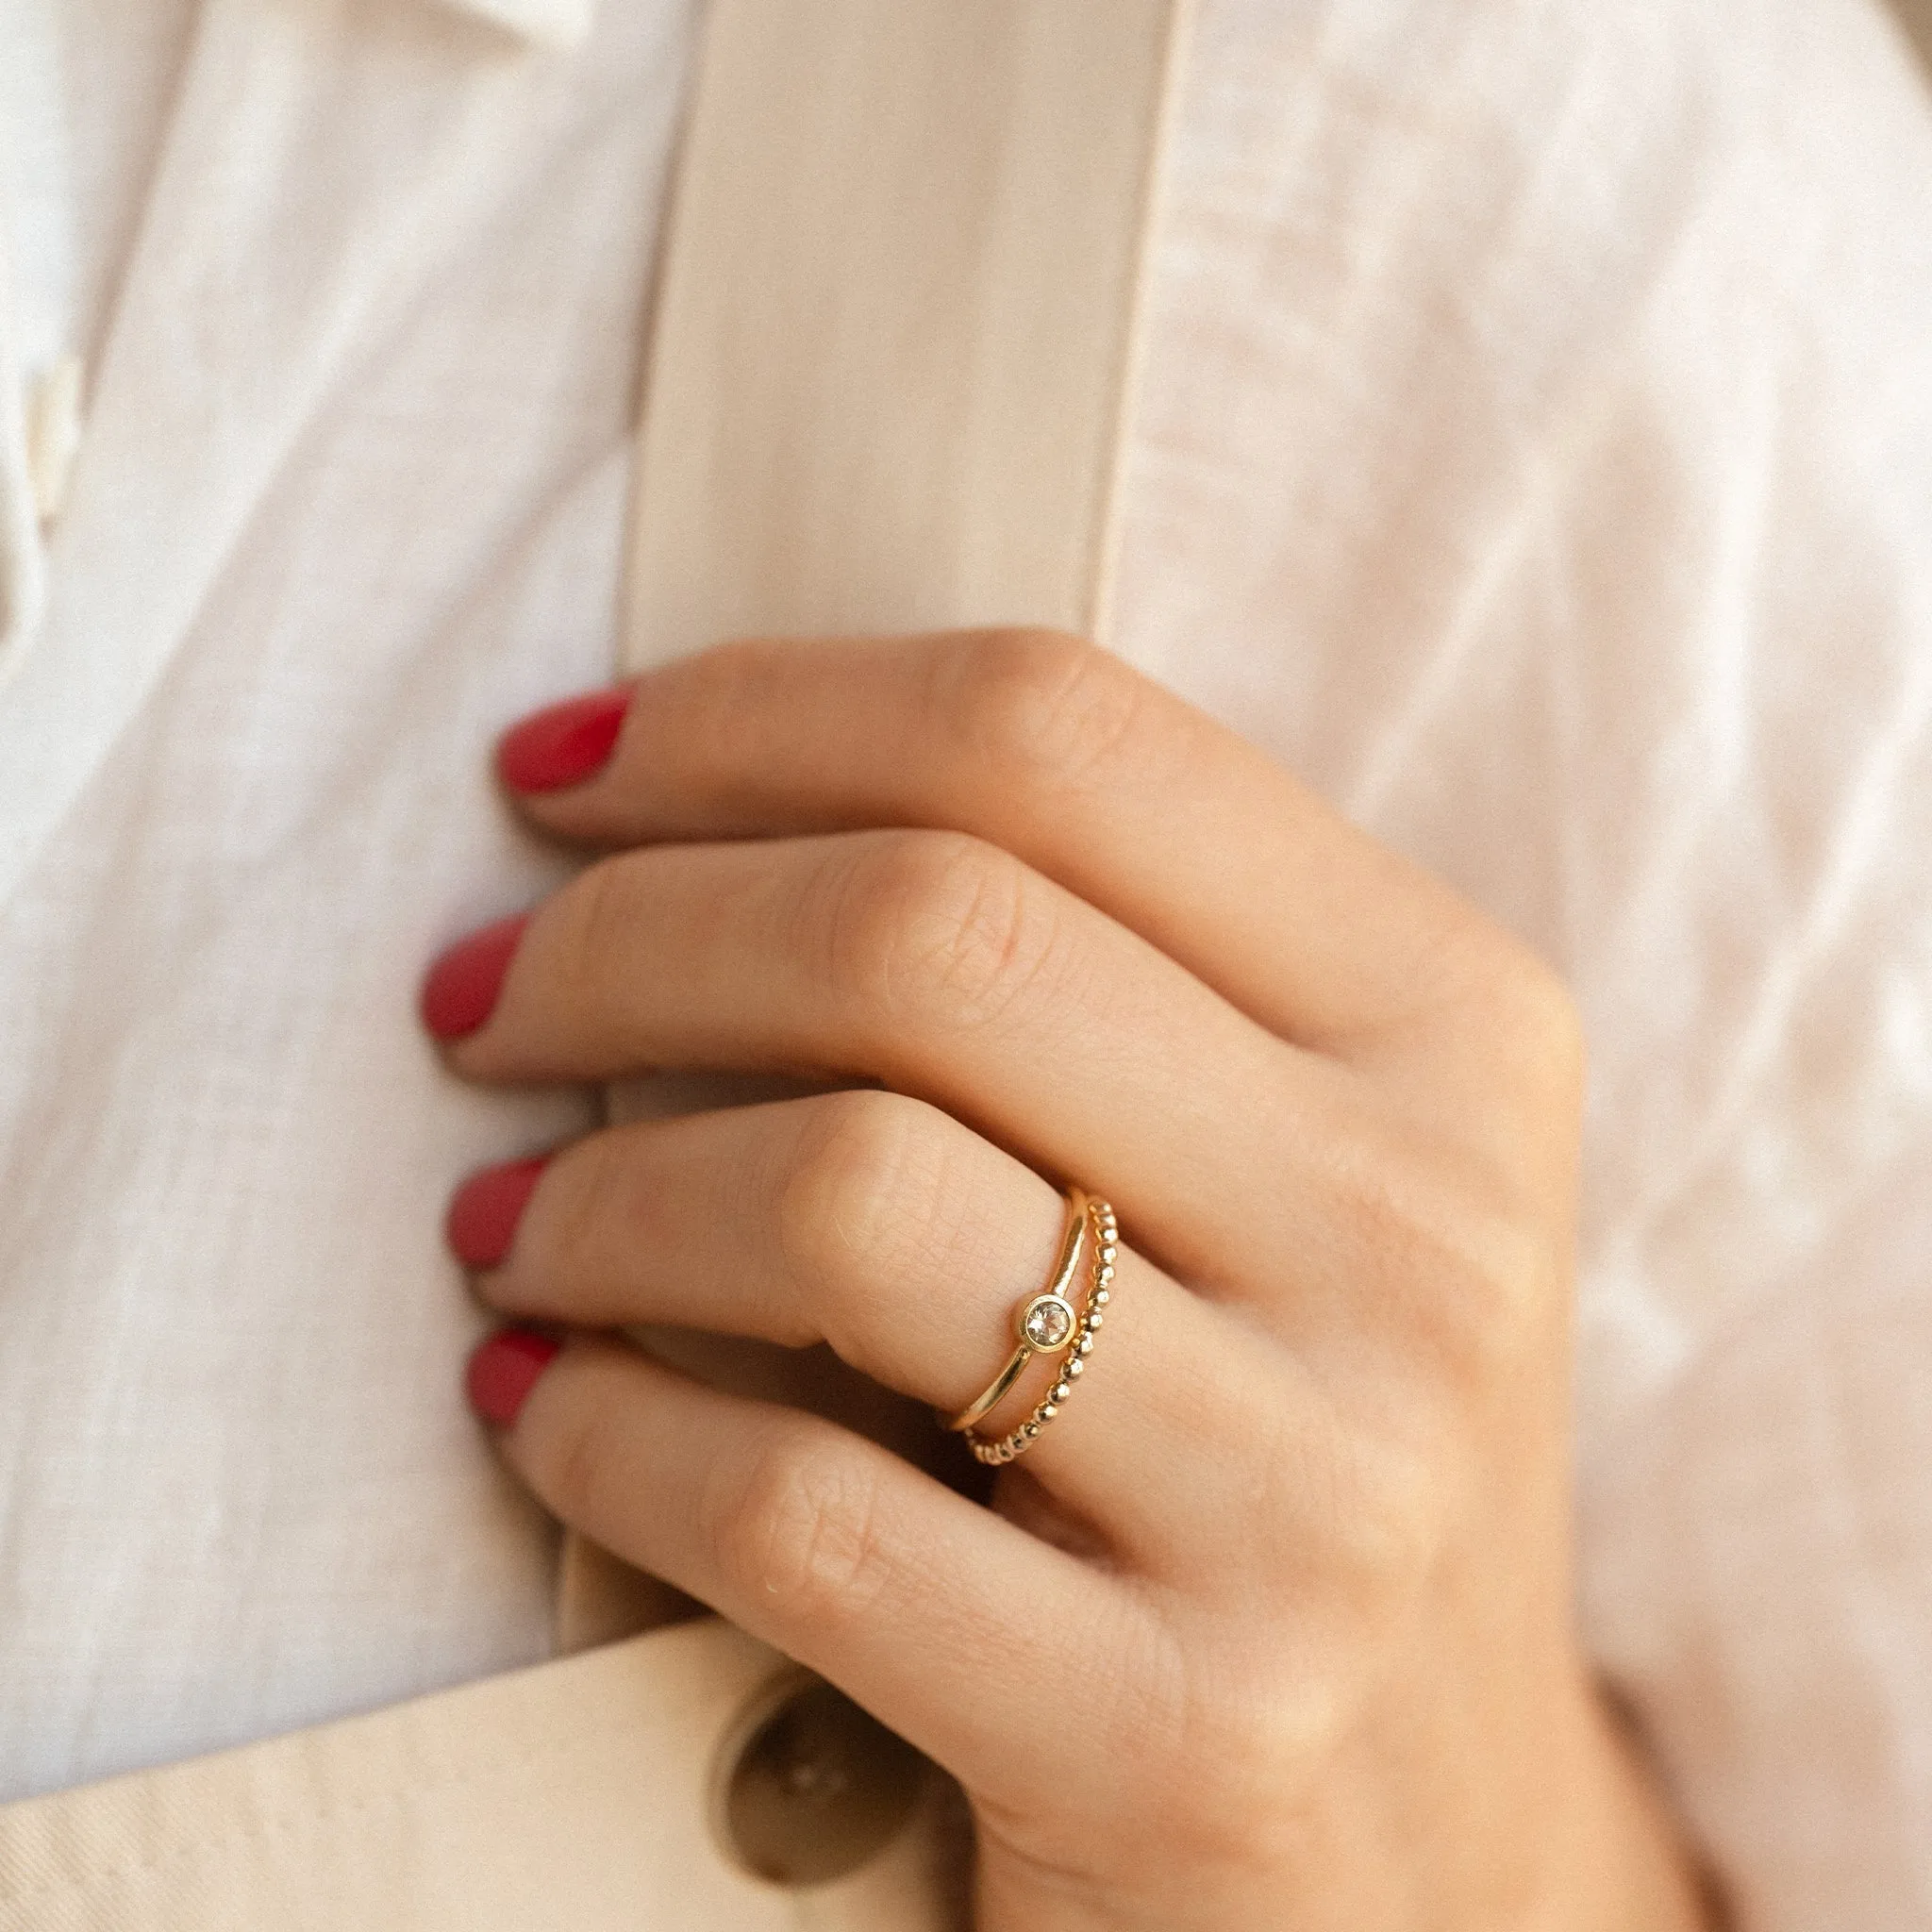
x=1048, y=1324
x=1076, y=1346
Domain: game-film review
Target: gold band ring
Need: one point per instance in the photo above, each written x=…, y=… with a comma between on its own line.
x=1047, y=1324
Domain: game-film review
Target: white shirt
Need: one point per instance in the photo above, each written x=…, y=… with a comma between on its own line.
x=1536, y=453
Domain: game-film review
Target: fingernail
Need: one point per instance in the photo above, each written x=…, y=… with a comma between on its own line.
x=460, y=991
x=562, y=746
x=502, y=1370
x=484, y=1212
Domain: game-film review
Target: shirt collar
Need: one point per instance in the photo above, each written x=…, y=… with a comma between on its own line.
x=558, y=23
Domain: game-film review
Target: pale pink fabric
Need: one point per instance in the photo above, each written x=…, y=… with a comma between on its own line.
x=1537, y=453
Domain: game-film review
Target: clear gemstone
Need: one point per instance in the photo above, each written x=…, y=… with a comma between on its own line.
x=1048, y=1322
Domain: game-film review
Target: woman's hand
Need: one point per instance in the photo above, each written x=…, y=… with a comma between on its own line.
x=1273, y=1627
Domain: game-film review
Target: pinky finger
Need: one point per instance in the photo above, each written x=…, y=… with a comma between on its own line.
x=970, y=1638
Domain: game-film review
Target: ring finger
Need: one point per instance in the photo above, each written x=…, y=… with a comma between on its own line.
x=880, y=1226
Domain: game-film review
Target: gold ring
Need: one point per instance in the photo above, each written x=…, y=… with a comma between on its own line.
x=1047, y=1324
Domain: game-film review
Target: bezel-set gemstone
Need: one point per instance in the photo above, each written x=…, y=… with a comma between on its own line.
x=1047, y=1322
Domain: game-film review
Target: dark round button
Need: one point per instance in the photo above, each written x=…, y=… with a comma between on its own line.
x=810, y=1785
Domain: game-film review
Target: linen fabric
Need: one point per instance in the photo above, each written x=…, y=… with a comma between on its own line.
x=1534, y=452
x=892, y=351
x=594, y=1790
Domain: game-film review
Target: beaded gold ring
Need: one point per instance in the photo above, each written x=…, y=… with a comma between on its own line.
x=1047, y=1324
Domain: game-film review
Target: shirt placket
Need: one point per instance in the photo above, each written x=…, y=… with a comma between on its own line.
x=40, y=378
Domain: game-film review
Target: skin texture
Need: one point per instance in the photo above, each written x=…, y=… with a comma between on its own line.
x=1274, y=1627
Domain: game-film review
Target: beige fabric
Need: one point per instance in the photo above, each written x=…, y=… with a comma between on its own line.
x=576, y=1794
x=887, y=387
x=895, y=331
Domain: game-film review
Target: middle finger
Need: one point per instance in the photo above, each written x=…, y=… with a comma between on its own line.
x=941, y=967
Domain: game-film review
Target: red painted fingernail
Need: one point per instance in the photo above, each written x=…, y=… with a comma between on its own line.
x=460, y=991
x=503, y=1371
x=562, y=746
x=483, y=1215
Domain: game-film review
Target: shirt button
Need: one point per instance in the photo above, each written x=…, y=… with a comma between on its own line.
x=809, y=1785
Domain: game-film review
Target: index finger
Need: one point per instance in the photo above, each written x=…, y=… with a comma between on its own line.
x=1072, y=761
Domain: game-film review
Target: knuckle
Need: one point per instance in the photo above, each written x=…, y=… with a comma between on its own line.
x=1506, y=1290
x=1527, y=1026
x=1491, y=1276
x=853, y=1211
x=941, y=928
x=795, y=1528
x=1458, y=1255
x=1396, y=1520
x=1042, y=705
x=1547, y=1029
